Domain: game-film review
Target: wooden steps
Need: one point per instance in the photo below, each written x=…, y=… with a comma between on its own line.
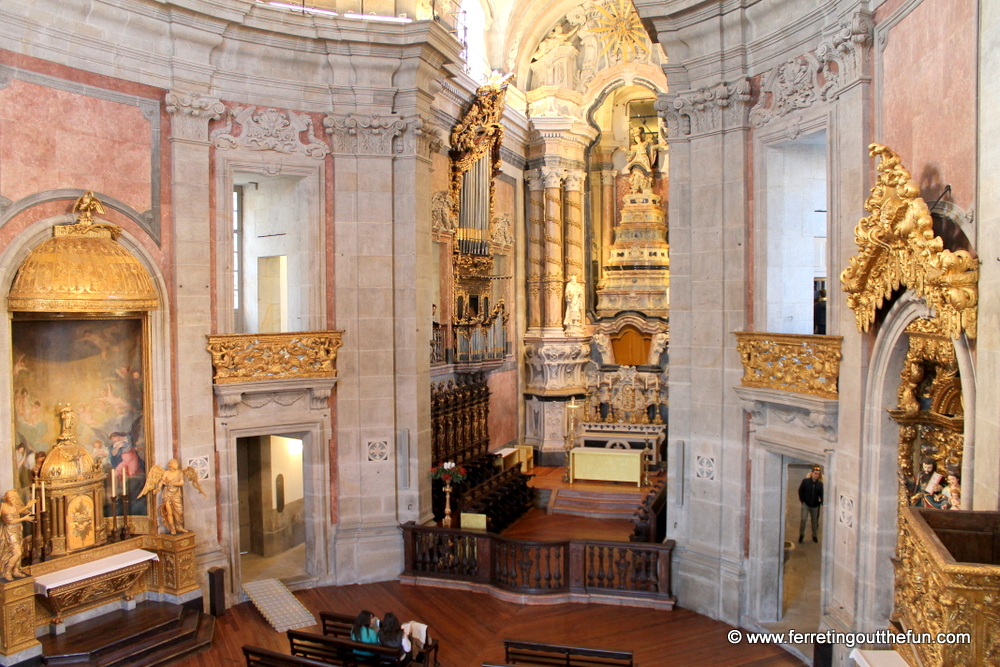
x=154, y=633
x=594, y=505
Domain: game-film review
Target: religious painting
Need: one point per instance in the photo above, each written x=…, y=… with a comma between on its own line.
x=95, y=366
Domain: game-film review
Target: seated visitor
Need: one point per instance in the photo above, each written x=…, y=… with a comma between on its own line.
x=365, y=631
x=391, y=635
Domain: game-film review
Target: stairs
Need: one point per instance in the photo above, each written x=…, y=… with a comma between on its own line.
x=594, y=505
x=154, y=633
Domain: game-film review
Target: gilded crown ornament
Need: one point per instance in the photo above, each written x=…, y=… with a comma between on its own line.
x=897, y=248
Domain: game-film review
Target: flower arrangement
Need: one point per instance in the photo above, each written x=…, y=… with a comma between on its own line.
x=449, y=473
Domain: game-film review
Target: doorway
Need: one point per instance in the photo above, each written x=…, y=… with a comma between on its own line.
x=802, y=562
x=272, y=527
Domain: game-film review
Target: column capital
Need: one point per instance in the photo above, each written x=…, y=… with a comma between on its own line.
x=553, y=176
x=574, y=179
x=191, y=113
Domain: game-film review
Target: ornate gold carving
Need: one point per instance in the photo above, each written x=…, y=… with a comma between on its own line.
x=478, y=134
x=92, y=591
x=250, y=357
x=82, y=268
x=930, y=412
x=799, y=363
x=620, y=30
x=934, y=594
x=897, y=248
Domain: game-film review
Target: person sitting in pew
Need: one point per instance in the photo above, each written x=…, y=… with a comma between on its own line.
x=392, y=635
x=365, y=630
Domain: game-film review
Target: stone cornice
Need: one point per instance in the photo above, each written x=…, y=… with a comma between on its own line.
x=723, y=106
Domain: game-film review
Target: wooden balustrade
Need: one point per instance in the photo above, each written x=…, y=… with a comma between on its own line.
x=620, y=569
x=790, y=362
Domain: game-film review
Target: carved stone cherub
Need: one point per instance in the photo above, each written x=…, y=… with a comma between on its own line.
x=170, y=484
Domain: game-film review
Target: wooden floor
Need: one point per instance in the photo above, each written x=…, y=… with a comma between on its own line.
x=537, y=525
x=472, y=626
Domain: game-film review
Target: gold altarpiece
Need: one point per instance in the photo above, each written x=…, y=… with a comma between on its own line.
x=77, y=301
x=941, y=586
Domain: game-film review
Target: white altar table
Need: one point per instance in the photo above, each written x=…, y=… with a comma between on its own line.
x=72, y=575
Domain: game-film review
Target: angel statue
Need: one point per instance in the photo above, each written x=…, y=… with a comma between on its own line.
x=170, y=484
x=12, y=512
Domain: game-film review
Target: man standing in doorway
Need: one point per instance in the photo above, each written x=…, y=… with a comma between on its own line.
x=811, y=497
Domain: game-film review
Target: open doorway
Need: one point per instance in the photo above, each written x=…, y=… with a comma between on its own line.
x=272, y=530
x=800, y=608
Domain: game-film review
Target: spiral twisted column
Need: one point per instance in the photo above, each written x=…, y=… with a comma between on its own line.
x=536, y=248
x=573, y=214
x=552, y=275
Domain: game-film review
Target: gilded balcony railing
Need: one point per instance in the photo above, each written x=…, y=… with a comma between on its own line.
x=791, y=362
x=948, y=587
x=274, y=356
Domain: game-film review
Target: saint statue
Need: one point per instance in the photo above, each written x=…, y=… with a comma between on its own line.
x=12, y=515
x=639, y=152
x=170, y=484
x=573, y=321
x=639, y=183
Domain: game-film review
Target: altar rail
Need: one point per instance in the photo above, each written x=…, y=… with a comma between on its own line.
x=274, y=356
x=619, y=569
x=790, y=362
x=948, y=581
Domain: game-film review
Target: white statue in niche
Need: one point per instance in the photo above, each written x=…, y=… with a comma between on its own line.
x=573, y=321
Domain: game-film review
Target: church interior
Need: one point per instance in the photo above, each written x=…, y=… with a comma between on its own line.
x=589, y=321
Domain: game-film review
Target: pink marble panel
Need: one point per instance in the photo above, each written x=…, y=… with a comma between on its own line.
x=929, y=97
x=51, y=139
x=503, y=407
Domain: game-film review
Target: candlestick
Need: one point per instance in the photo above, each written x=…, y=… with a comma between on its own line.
x=33, y=490
x=114, y=489
x=124, y=482
x=43, y=496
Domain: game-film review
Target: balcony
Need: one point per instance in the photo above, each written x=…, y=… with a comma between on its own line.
x=790, y=362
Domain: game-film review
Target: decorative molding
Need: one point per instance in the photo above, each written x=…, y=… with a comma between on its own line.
x=556, y=367
x=706, y=110
x=897, y=248
x=840, y=59
x=5, y=205
x=270, y=130
x=705, y=467
x=194, y=104
x=259, y=394
x=574, y=179
x=845, y=511
x=804, y=414
x=553, y=177
x=377, y=450
x=201, y=466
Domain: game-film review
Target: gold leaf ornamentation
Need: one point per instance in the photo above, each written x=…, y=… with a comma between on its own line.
x=790, y=362
x=897, y=248
x=251, y=357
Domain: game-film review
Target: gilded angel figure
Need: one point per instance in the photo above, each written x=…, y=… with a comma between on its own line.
x=170, y=484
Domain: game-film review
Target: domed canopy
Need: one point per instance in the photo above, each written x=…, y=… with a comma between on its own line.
x=82, y=268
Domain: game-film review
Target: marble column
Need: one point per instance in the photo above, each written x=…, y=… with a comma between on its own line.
x=573, y=242
x=536, y=249
x=553, y=277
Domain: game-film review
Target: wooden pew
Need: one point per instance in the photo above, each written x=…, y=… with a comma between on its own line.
x=261, y=657
x=340, y=651
x=340, y=625
x=531, y=653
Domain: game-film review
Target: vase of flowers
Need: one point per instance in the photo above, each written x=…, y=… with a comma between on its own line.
x=448, y=472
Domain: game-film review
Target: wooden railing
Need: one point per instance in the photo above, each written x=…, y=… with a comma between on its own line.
x=791, y=362
x=621, y=569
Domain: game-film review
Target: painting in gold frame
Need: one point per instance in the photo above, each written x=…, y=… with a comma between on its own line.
x=96, y=365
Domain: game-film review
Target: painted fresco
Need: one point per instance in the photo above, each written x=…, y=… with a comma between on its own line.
x=96, y=367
